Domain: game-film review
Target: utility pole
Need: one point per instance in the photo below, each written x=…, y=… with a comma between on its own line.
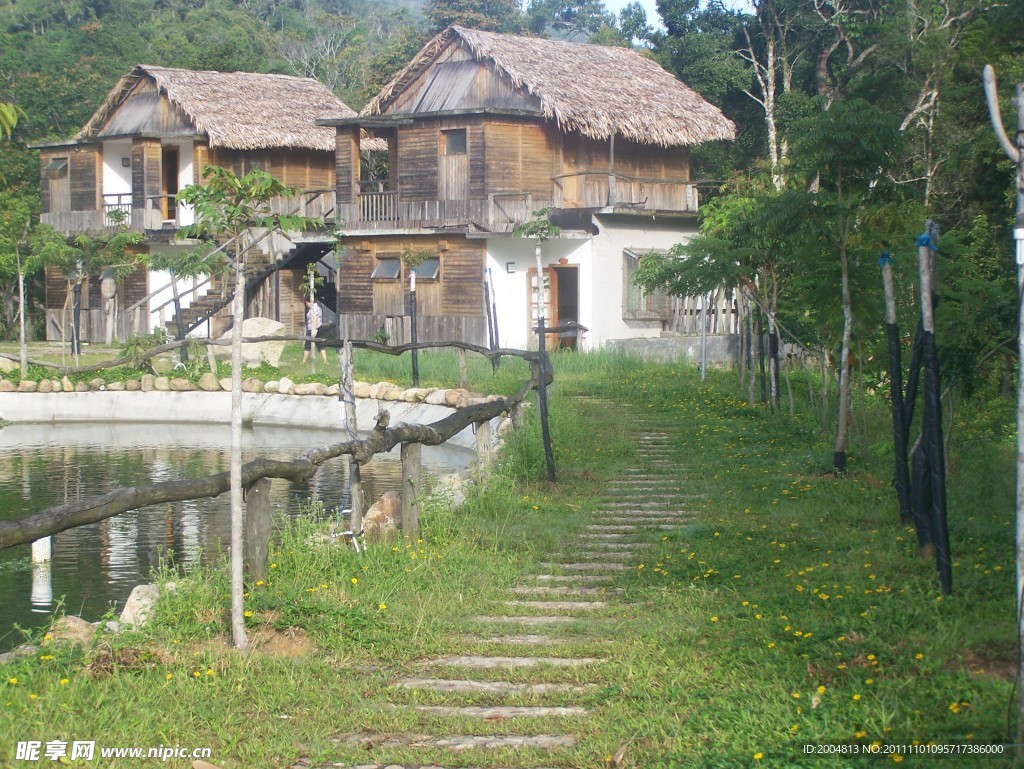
x=1015, y=151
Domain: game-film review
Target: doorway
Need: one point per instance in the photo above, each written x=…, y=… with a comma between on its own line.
x=568, y=304
x=169, y=183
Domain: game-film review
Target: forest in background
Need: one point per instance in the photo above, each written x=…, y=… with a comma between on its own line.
x=909, y=70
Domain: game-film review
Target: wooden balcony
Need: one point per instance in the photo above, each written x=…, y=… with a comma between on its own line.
x=603, y=190
x=383, y=210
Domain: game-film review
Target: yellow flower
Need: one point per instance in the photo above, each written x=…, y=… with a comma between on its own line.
x=12, y=680
x=869, y=681
x=919, y=656
x=354, y=581
x=248, y=613
x=821, y=690
x=771, y=645
x=210, y=673
x=45, y=656
x=758, y=756
x=169, y=676
x=714, y=619
x=856, y=698
x=33, y=696
x=259, y=582
x=196, y=674
x=63, y=682
x=273, y=566
x=382, y=606
x=796, y=695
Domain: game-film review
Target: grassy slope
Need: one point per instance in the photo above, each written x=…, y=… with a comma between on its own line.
x=795, y=611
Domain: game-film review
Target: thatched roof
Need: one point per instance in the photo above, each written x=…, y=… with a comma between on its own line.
x=593, y=89
x=237, y=110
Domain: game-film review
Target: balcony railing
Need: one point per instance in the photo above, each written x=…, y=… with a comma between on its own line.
x=381, y=209
x=595, y=189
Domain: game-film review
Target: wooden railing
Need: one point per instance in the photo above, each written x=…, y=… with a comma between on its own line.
x=600, y=189
x=386, y=210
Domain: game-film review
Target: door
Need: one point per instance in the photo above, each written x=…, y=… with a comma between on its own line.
x=548, y=302
x=567, y=287
x=169, y=183
x=453, y=165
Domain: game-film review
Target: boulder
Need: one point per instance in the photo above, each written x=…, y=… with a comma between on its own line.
x=7, y=386
x=437, y=398
x=181, y=385
x=67, y=384
x=284, y=386
x=225, y=384
x=415, y=395
x=27, y=386
x=333, y=390
x=252, y=385
x=7, y=365
x=384, y=518
x=255, y=353
x=457, y=399
x=97, y=384
x=162, y=364
x=377, y=390
x=361, y=389
x=271, y=386
x=81, y=387
x=72, y=630
x=148, y=383
x=309, y=388
x=56, y=386
x=139, y=604
x=208, y=383
x=133, y=385
x=44, y=386
x=117, y=387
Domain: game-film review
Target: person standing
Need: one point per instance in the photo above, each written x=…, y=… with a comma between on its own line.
x=314, y=321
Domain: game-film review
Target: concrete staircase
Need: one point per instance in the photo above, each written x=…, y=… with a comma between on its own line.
x=540, y=696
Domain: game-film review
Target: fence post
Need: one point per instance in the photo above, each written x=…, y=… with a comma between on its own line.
x=484, y=449
x=355, y=482
x=257, y=528
x=463, y=369
x=411, y=480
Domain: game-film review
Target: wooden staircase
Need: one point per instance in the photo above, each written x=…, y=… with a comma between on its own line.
x=259, y=266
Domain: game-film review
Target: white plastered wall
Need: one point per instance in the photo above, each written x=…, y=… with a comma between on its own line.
x=186, y=176
x=509, y=261
x=117, y=178
x=615, y=234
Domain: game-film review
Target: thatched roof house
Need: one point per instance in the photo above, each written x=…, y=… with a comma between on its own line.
x=234, y=110
x=595, y=90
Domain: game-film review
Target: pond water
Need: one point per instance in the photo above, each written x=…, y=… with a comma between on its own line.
x=94, y=568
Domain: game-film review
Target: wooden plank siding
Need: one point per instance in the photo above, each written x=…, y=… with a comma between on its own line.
x=299, y=168
x=85, y=172
x=146, y=162
x=346, y=163
x=457, y=293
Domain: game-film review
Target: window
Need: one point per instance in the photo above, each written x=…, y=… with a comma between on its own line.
x=453, y=142
x=428, y=269
x=638, y=304
x=57, y=165
x=387, y=268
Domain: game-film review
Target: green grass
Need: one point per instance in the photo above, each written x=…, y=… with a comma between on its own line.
x=794, y=611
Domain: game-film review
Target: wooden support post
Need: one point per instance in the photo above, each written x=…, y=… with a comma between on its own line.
x=257, y=528
x=484, y=449
x=463, y=369
x=211, y=359
x=411, y=489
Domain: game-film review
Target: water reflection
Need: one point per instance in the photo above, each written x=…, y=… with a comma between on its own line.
x=93, y=568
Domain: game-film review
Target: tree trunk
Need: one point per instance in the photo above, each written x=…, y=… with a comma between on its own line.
x=238, y=636
x=843, y=426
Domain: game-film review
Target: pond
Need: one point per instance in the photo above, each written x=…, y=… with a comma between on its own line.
x=95, y=567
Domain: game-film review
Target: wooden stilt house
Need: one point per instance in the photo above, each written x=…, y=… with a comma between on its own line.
x=483, y=130
x=156, y=130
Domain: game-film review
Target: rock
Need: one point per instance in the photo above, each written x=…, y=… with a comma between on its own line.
x=44, y=386
x=457, y=399
x=361, y=389
x=377, y=390
x=225, y=384
x=133, y=385
x=395, y=393
x=437, y=398
x=209, y=383
x=7, y=365
x=181, y=385
x=504, y=426
x=162, y=365
x=27, y=386
x=333, y=390
x=97, y=384
x=72, y=630
x=112, y=626
x=162, y=384
x=271, y=386
x=383, y=520
x=255, y=353
x=81, y=387
x=284, y=386
x=452, y=487
x=116, y=387
x=139, y=604
x=7, y=386
x=56, y=386
x=148, y=382
x=415, y=395
x=67, y=384
x=252, y=385
x=25, y=650
x=309, y=388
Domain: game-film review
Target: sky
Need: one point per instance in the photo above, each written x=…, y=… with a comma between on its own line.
x=652, y=10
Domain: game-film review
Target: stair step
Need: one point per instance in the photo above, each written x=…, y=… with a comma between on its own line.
x=502, y=711
x=489, y=687
x=508, y=663
x=458, y=741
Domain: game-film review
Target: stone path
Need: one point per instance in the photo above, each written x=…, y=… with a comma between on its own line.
x=570, y=595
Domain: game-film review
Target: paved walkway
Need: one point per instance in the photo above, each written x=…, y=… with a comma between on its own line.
x=569, y=600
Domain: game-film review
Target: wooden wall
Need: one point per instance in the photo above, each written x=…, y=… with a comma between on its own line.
x=131, y=290
x=644, y=161
x=85, y=171
x=147, y=161
x=299, y=168
x=521, y=156
x=458, y=291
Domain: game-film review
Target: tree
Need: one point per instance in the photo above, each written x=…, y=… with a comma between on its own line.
x=486, y=15
x=226, y=208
